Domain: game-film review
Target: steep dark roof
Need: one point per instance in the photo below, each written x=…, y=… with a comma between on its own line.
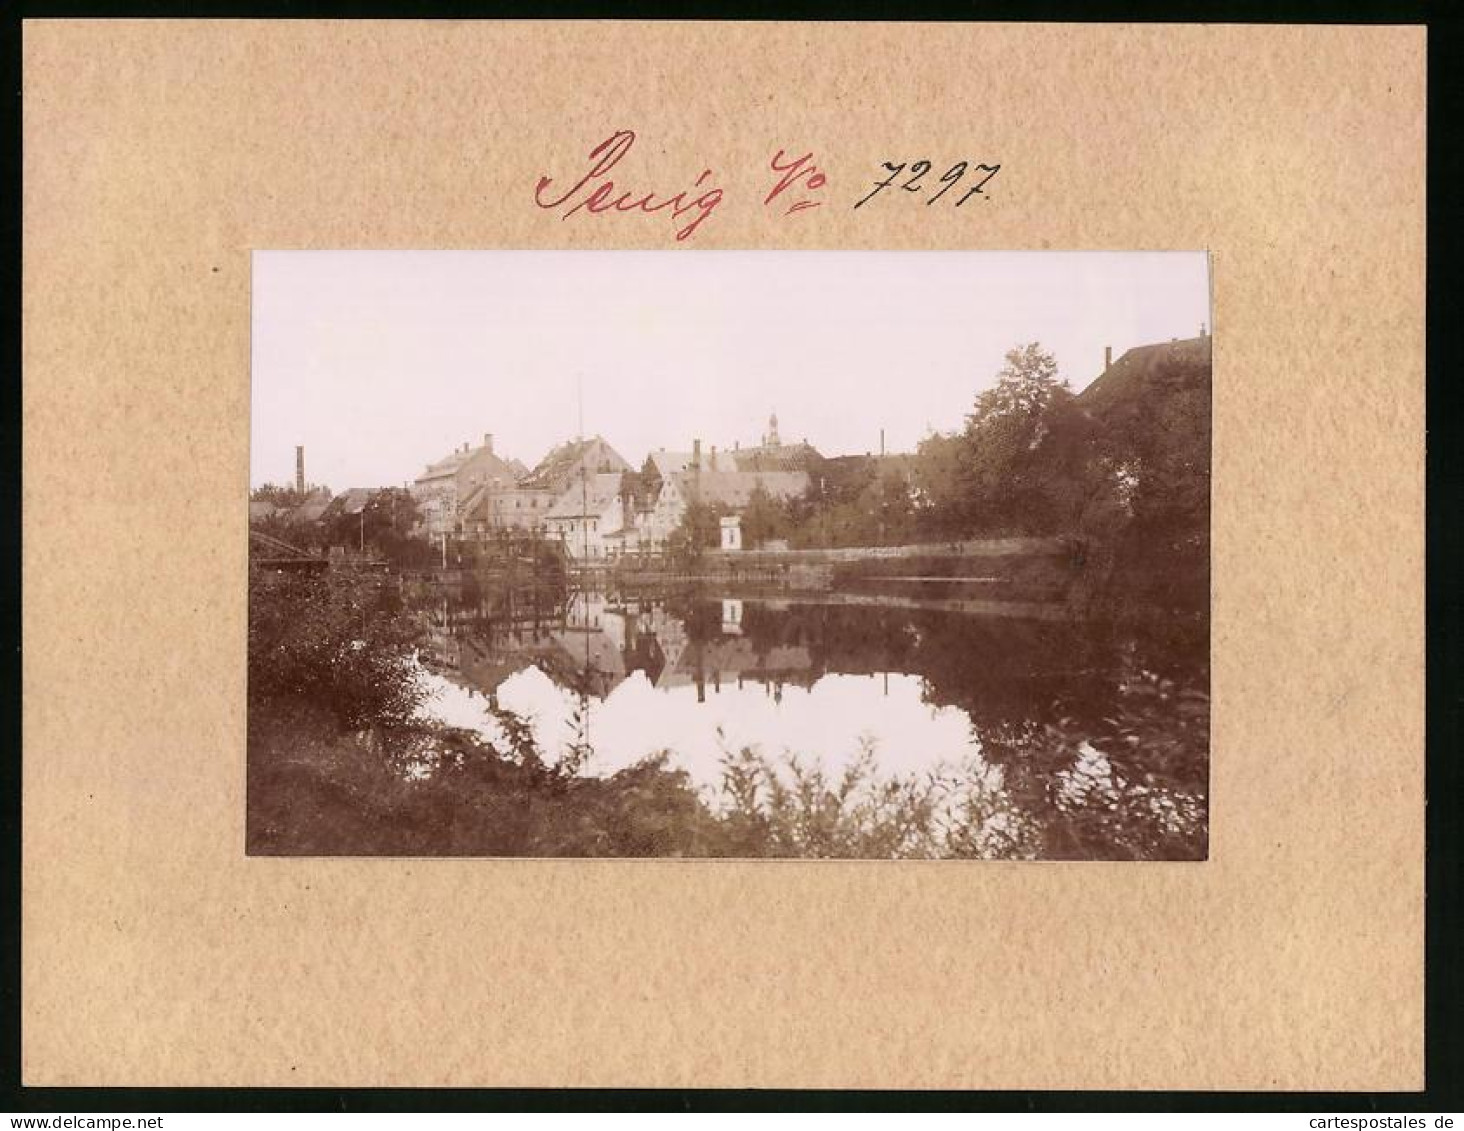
x=308, y=511
x=1146, y=373
x=555, y=469
x=780, y=457
x=354, y=501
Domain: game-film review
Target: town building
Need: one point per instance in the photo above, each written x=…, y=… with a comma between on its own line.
x=587, y=514
x=774, y=455
x=309, y=510
x=727, y=491
x=523, y=501
x=726, y=480
x=586, y=496
x=443, y=489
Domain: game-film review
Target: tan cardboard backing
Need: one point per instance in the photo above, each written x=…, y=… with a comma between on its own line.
x=158, y=154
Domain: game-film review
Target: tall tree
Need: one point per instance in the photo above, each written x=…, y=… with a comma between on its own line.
x=1006, y=434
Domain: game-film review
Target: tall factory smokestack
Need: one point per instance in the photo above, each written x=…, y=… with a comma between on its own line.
x=300, y=468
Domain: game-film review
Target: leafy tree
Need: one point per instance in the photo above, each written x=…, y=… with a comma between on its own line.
x=1007, y=434
x=764, y=519
x=942, y=486
x=886, y=507
x=700, y=530
x=386, y=525
x=278, y=495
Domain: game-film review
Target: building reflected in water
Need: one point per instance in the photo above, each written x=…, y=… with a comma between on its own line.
x=1043, y=711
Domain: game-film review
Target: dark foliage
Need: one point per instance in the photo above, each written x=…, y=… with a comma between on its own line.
x=335, y=639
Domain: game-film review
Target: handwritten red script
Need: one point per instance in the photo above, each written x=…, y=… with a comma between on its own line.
x=595, y=192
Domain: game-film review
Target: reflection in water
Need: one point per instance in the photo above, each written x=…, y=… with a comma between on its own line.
x=1054, y=739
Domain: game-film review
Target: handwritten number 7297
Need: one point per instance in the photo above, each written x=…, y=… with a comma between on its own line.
x=947, y=180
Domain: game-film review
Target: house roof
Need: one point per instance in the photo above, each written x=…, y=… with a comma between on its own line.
x=452, y=464
x=590, y=498
x=474, y=497
x=555, y=469
x=735, y=488
x=444, y=467
x=669, y=463
x=355, y=500
x=640, y=488
x=308, y=511
x=1145, y=371
x=777, y=457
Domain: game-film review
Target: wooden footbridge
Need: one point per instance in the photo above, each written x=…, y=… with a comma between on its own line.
x=271, y=553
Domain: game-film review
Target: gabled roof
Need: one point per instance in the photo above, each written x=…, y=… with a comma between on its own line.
x=591, y=497
x=493, y=466
x=556, y=468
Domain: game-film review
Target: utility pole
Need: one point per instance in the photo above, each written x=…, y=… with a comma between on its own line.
x=585, y=544
x=584, y=475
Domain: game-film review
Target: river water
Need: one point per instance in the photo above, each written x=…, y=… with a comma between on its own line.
x=1093, y=734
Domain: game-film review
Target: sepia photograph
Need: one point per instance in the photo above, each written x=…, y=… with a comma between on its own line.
x=742, y=555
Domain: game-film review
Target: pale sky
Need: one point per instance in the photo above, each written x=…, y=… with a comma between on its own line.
x=381, y=362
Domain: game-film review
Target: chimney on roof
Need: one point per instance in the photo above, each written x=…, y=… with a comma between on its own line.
x=1107, y=358
x=696, y=455
x=1204, y=333
x=300, y=468
x=488, y=442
